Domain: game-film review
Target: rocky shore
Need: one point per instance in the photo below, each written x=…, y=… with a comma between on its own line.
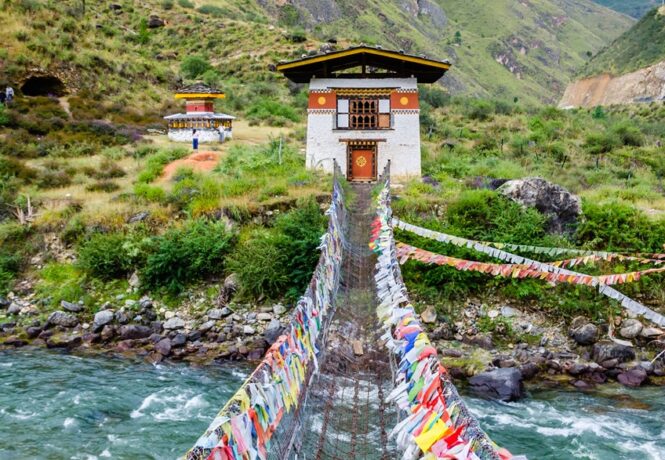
x=525, y=346
x=146, y=328
x=494, y=350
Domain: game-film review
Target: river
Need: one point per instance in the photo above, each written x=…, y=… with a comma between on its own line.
x=62, y=406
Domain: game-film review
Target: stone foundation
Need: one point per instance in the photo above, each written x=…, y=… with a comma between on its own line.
x=205, y=135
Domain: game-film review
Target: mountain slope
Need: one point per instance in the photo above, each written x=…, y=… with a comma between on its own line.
x=641, y=46
x=503, y=49
x=634, y=8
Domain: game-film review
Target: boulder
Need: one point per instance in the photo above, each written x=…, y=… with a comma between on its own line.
x=4, y=302
x=174, y=323
x=502, y=384
x=14, y=308
x=133, y=332
x=219, y=313
x=102, y=318
x=63, y=341
x=205, y=327
x=163, y=347
x=273, y=331
x=264, y=317
x=121, y=317
x=586, y=334
x=633, y=377
x=155, y=22
x=248, y=330
x=529, y=370
x=134, y=281
x=60, y=318
x=278, y=309
x=138, y=217
x=630, y=328
x=178, y=340
x=108, y=332
x=33, y=331
x=651, y=332
x=558, y=204
x=606, y=351
x=69, y=306
x=429, y=315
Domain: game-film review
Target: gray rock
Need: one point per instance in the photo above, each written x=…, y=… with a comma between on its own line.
x=219, y=313
x=633, y=377
x=205, y=327
x=134, y=280
x=134, y=331
x=14, y=308
x=121, y=317
x=264, y=317
x=33, y=331
x=194, y=336
x=651, y=332
x=562, y=207
x=429, y=315
x=630, y=328
x=502, y=384
x=273, y=331
x=509, y=312
x=178, y=340
x=529, y=370
x=60, y=318
x=102, y=318
x=163, y=347
x=606, y=350
x=586, y=334
x=248, y=330
x=63, y=341
x=155, y=22
x=4, y=302
x=278, y=309
x=174, y=323
x=69, y=306
x=139, y=217
x=108, y=332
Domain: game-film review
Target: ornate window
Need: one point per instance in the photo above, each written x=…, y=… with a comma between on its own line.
x=363, y=113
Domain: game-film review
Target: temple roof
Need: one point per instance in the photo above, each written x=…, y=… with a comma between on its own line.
x=369, y=59
x=198, y=90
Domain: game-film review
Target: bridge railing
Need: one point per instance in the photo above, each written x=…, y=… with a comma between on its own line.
x=436, y=422
x=263, y=417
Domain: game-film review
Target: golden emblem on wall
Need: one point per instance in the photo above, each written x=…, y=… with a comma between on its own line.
x=322, y=100
x=404, y=100
x=361, y=161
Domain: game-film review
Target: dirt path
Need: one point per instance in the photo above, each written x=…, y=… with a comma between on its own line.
x=197, y=161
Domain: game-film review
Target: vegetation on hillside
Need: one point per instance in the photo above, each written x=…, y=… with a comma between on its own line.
x=643, y=45
x=634, y=8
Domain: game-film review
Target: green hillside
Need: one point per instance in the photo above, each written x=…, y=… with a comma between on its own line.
x=499, y=48
x=634, y=8
x=643, y=45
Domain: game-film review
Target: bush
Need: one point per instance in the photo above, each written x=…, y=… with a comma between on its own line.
x=212, y=10
x=60, y=282
x=103, y=186
x=104, y=257
x=194, y=66
x=628, y=134
x=167, y=4
x=260, y=265
x=280, y=261
x=10, y=263
x=4, y=117
x=620, y=227
x=188, y=253
x=480, y=110
x=155, y=164
x=186, y=3
x=274, y=111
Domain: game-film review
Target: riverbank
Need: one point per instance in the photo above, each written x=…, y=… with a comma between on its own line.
x=54, y=406
x=481, y=343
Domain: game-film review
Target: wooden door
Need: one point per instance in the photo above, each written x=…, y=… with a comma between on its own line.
x=363, y=164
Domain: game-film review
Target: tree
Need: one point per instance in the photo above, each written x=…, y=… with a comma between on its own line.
x=458, y=37
x=194, y=66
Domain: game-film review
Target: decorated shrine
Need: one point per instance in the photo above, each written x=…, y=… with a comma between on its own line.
x=200, y=115
x=363, y=109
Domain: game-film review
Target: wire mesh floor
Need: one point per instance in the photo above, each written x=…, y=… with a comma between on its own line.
x=346, y=416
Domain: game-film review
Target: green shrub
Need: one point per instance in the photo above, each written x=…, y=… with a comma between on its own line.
x=212, y=10
x=103, y=256
x=480, y=110
x=194, y=66
x=280, y=261
x=260, y=265
x=10, y=263
x=102, y=186
x=628, y=134
x=167, y=4
x=186, y=3
x=620, y=227
x=60, y=282
x=188, y=253
x=4, y=117
x=273, y=111
x=155, y=164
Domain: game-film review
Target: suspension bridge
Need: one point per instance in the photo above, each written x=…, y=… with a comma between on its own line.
x=354, y=376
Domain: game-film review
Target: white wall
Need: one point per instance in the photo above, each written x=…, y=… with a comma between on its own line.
x=205, y=135
x=401, y=146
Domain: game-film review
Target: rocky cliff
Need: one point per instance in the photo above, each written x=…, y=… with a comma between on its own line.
x=644, y=85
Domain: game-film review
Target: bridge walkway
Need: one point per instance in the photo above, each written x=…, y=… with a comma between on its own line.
x=346, y=416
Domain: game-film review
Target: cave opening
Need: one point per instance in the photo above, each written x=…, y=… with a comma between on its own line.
x=43, y=85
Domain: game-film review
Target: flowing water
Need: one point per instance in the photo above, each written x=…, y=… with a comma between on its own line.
x=61, y=406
